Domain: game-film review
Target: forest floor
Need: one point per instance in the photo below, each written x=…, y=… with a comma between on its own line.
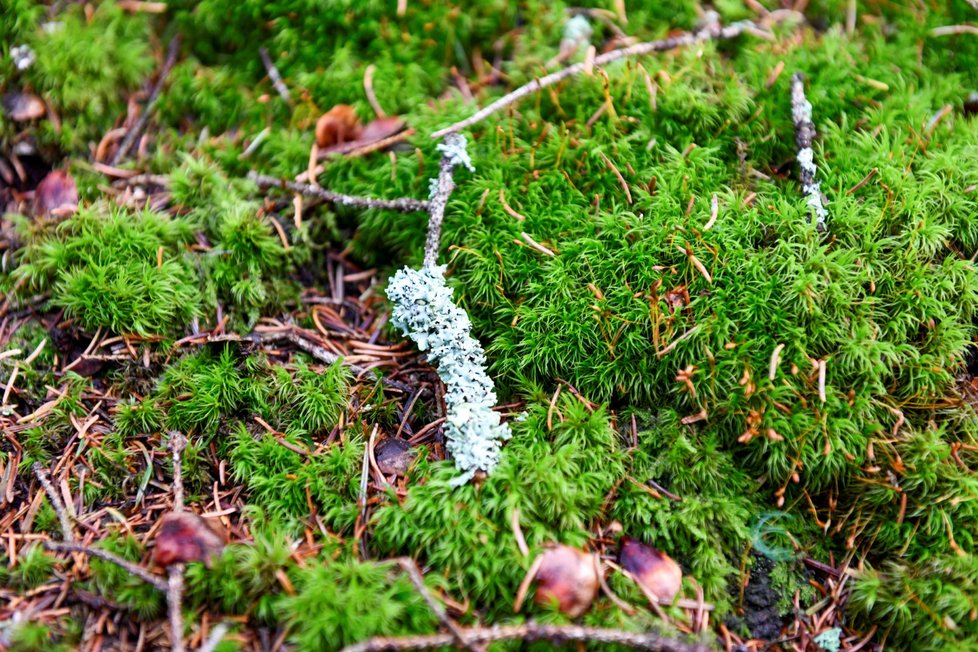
x=739, y=392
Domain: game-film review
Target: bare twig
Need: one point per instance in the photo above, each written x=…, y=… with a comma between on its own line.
x=954, y=30
x=56, y=503
x=554, y=634
x=215, y=637
x=126, y=565
x=174, y=588
x=174, y=598
x=404, y=204
x=177, y=444
x=801, y=114
x=710, y=32
x=274, y=75
x=137, y=129
x=410, y=567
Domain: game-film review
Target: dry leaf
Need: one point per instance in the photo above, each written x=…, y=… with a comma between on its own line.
x=21, y=107
x=338, y=125
x=656, y=573
x=185, y=537
x=57, y=192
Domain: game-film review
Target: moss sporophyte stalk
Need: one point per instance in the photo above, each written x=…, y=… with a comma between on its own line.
x=626, y=248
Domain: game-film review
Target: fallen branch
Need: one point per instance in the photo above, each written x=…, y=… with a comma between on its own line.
x=137, y=129
x=137, y=571
x=801, y=114
x=554, y=634
x=410, y=567
x=56, y=504
x=174, y=587
x=404, y=204
x=709, y=33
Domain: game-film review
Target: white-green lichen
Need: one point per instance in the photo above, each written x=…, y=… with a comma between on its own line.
x=425, y=312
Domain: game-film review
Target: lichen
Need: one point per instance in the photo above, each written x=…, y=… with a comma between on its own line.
x=424, y=311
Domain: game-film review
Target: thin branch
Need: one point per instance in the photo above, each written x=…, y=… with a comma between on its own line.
x=56, y=503
x=174, y=588
x=954, y=30
x=404, y=204
x=453, y=155
x=711, y=32
x=174, y=597
x=274, y=75
x=215, y=637
x=137, y=571
x=554, y=634
x=137, y=129
x=801, y=114
x=410, y=567
x=177, y=444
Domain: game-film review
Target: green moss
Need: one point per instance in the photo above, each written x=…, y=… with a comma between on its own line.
x=878, y=467
x=124, y=271
x=352, y=601
x=86, y=68
x=34, y=567
x=120, y=586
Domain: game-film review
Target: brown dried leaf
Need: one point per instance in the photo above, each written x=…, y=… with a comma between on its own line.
x=185, y=537
x=568, y=576
x=57, y=192
x=21, y=107
x=656, y=573
x=338, y=125
x=381, y=128
x=375, y=132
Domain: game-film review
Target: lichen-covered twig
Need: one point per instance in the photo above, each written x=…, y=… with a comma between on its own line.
x=403, y=204
x=425, y=312
x=554, y=634
x=137, y=129
x=56, y=504
x=453, y=154
x=801, y=114
x=710, y=32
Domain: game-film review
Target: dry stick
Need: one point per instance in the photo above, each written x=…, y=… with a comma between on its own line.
x=274, y=75
x=711, y=32
x=554, y=634
x=214, y=639
x=174, y=589
x=56, y=503
x=441, y=191
x=404, y=204
x=801, y=114
x=137, y=129
x=137, y=571
x=410, y=567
